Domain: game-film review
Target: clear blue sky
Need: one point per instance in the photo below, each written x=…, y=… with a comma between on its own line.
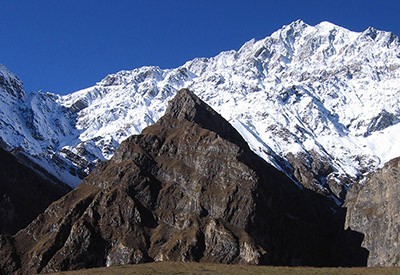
x=65, y=45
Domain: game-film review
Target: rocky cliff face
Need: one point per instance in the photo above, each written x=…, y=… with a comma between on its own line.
x=188, y=188
x=23, y=194
x=373, y=209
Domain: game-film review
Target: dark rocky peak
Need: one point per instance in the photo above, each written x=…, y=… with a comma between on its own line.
x=187, y=106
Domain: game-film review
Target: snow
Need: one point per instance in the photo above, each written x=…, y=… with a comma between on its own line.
x=302, y=89
x=384, y=144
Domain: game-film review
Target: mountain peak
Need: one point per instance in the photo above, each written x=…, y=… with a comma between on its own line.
x=298, y=24
x=293, y=28
x=187, y=106
x=10, y=83
x=326, y=25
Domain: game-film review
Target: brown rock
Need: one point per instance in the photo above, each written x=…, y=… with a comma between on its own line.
x=373, y=209
x=187, y=189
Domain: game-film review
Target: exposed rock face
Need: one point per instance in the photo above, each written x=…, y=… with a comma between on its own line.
x=187, y=189
x=23, y=194
x=312, y=171
x=373, y=209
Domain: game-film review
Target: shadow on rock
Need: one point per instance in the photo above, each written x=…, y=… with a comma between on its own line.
x=347, y=251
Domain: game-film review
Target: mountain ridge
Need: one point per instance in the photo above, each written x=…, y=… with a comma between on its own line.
x=304, y=98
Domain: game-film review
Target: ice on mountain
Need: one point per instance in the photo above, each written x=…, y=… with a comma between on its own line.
x=305, y=88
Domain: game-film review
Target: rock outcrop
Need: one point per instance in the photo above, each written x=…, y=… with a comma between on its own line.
x=373, y=209
x=188, y=188
x=23, y=194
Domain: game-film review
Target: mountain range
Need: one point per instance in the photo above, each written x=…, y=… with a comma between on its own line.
x=318, y=104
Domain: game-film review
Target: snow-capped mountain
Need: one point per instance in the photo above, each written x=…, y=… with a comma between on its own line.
x=36, y=126
x=319, y=102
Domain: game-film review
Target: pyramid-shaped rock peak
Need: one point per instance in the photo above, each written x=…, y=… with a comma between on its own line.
x=187, y=106
x=179, y=191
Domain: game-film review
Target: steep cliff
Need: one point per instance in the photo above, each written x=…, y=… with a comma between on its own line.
x=373, y=209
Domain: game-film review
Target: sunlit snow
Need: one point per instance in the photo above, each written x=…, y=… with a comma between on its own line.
x=305, y=88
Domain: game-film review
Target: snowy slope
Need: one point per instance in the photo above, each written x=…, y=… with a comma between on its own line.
x=318, y=98
x=37, y=125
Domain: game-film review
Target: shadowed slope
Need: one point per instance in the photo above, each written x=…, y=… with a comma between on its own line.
x=23, y=194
